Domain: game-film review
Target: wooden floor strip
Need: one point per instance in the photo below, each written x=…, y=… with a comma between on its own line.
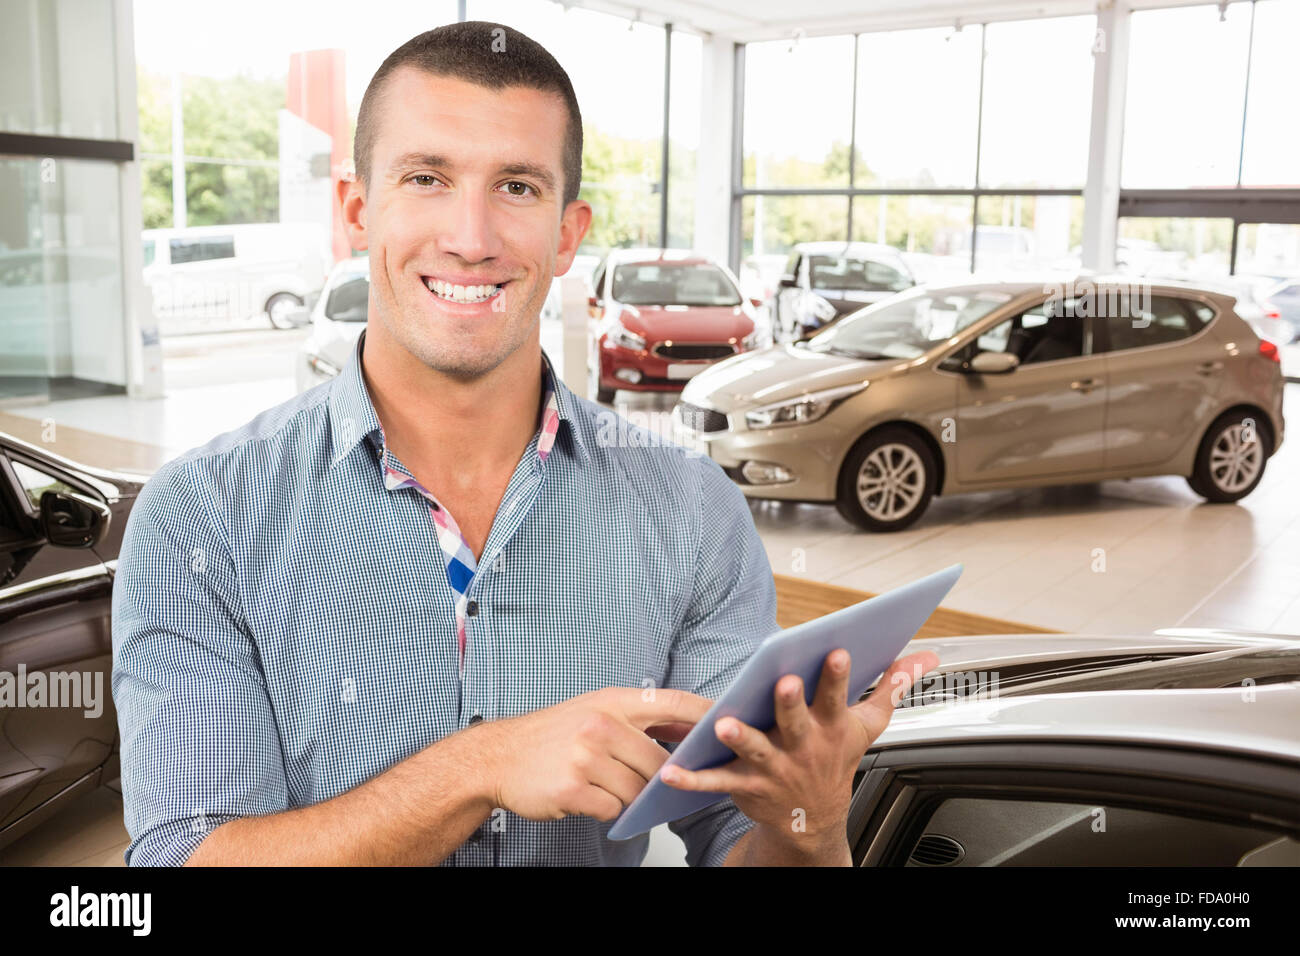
x=799, y=600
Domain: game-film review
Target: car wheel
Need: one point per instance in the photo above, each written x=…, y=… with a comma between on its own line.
x=887, y=480
x=278, y=308
x=1230, y=463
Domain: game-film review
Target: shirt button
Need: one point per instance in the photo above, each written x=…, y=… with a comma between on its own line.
x=472, y=608
x=476, y=836
x=477, y=718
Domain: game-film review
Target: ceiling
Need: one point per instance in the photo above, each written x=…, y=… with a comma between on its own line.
x=747, y=20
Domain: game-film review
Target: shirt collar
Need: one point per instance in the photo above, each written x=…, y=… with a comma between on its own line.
x=352, y=414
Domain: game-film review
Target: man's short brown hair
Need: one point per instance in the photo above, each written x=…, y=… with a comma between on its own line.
x=487, y=54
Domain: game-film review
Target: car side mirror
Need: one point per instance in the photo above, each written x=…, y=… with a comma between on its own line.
x=69, y=520
x=756, y=303
x=787, y=282
x=994, y=363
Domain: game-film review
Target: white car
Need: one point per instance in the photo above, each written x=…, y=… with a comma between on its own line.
x=337, y=319
x=1180, y=748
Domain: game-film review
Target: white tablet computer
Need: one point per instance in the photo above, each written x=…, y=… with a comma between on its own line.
x=874, y=632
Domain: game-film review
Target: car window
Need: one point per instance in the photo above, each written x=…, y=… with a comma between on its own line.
x=36, y=482
x=1045, y=333
x=1158, y=320
x=908, y=324
x=202, y=250
x=986, y=831
x=846, y=274
x=792, y=265
x=349, y=300
x=659, y=283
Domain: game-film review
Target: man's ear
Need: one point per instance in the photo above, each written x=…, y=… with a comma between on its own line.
x=351, y=193
x=573, y=229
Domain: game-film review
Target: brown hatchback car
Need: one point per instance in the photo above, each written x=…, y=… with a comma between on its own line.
x=986, y=385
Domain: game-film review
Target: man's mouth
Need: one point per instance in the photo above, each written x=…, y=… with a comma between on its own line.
x=468, y=294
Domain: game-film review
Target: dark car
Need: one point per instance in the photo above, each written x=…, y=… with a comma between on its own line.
x=61, y=526
x=825, y=281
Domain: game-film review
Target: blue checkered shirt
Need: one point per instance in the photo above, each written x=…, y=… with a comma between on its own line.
x=284, y=630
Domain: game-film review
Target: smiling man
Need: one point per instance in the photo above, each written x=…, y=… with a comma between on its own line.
x=426, y=612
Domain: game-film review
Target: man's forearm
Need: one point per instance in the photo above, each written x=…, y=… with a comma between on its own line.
x=761, y=846
x=415, y=813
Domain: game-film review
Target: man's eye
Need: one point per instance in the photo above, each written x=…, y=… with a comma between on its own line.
x=516, y=188
x=419, y=176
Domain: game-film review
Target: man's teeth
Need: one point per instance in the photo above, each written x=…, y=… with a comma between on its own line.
x=461, y=293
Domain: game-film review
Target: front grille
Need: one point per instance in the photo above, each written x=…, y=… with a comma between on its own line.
x=694, y=351
x=701, y=419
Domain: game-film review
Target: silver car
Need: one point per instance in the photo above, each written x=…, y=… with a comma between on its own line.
x=988, y=385
x=1170, y=749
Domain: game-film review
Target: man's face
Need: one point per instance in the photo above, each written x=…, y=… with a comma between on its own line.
x=466, y=189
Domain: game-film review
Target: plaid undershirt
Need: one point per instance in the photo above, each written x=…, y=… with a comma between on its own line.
x=461, y=564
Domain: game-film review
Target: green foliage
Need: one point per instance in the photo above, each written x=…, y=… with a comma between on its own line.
x=231, y=118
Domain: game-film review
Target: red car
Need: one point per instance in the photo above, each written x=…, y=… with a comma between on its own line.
x=661, y=317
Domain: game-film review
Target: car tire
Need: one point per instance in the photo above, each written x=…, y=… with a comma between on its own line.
x=913, y=486
x=276, y=305
x=1226, y=469
x=603, y=395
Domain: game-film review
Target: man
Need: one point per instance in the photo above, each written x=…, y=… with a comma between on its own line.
x=429, y=612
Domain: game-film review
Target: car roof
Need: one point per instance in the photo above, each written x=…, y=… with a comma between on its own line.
x=1025, y=283
x=656, y=254
x=1004, y=650
x=1213, y=718
x=862, y=250
x=1203, y=717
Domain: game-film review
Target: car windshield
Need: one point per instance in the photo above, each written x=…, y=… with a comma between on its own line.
x=662, y=283
x=907, y=325
x=349, y=300
x=841, y=274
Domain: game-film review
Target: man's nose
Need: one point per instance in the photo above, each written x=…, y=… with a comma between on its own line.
x=469, y=231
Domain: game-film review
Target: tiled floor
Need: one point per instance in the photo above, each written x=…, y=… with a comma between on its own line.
x=1121, y=556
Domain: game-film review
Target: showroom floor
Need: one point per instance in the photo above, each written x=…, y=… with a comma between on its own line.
x=1120, y=556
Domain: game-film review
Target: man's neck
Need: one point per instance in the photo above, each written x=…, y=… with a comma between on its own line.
x=449, y=431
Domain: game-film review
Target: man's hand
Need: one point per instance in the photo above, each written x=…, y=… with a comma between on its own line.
x=796, y=780
x=590, y=755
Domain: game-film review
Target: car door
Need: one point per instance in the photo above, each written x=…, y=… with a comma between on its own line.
x=1061, y=803
x=1164, y=367
x=1046, y=417
x=55, y=629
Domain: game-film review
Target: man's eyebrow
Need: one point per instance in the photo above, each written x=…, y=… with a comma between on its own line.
x=417, y=160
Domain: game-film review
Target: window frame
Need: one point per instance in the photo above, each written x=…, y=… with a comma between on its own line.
x=890, y=805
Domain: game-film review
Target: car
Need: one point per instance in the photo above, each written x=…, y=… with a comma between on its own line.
x=61, y=526
x=661, y=316
x=337, y=318
x=1170, y=749
x=1285, y=297
x=996, y=384
x=1255, y=305
x=824, y=281
x=207, y=278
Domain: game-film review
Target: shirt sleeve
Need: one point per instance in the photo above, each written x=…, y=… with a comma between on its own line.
x=732, y=609
x=199, y=744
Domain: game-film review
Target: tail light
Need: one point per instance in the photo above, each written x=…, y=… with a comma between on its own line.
x=1269, y=351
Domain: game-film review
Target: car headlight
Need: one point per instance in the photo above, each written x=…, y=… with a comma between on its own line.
x=628, y=340
x=322, y=367
x=805, y=408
